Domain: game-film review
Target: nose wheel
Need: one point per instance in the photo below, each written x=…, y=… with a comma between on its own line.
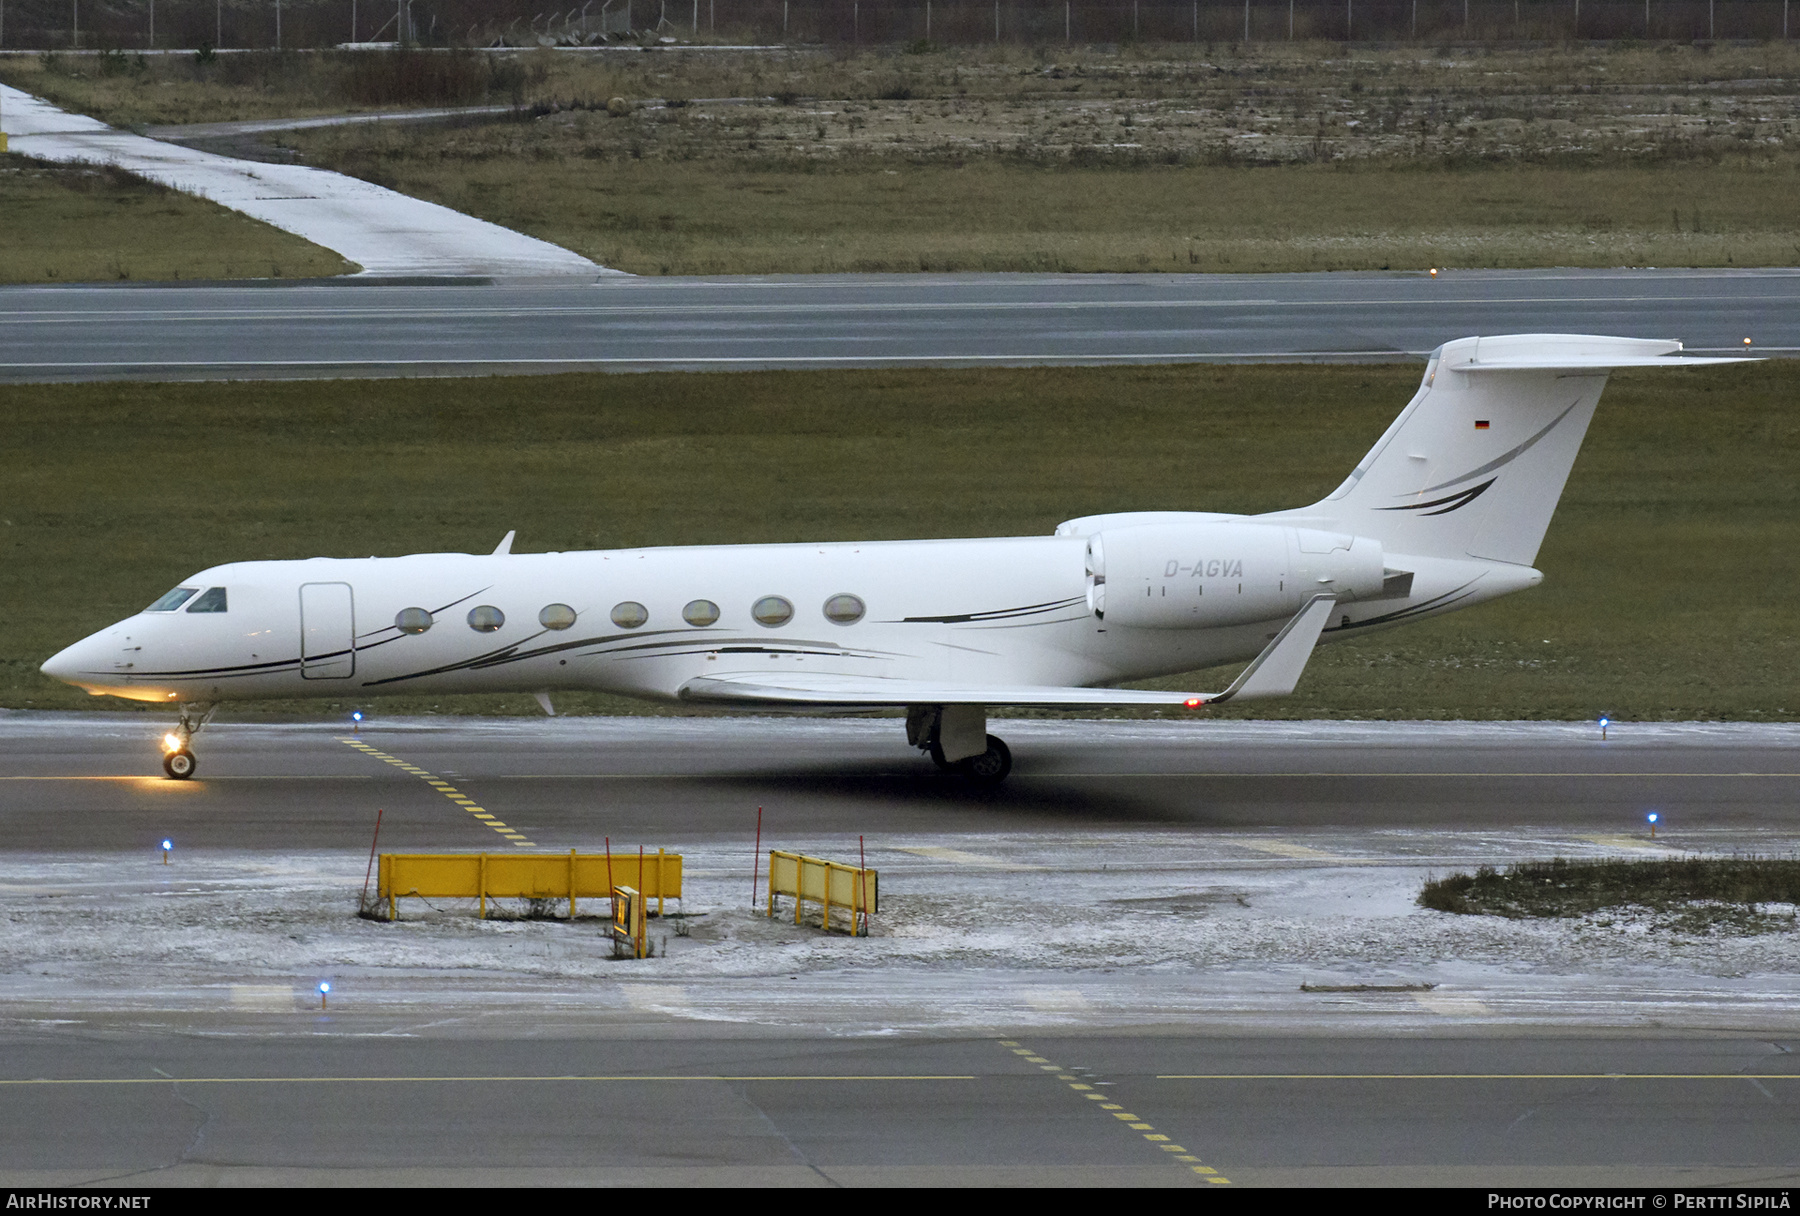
x=178, y=757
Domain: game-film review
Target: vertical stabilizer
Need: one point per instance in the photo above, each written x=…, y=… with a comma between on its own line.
x=1474, y=465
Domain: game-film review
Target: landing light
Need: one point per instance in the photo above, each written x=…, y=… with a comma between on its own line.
x=171, y=743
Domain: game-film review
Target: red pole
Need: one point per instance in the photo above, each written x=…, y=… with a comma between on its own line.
x=756, y=858
x=363, y=906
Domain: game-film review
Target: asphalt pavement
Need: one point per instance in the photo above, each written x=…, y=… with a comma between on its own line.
x=1026, y=1015
x=479, y=327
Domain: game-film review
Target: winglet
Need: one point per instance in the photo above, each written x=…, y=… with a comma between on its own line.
x=504, y=548
x=1276, y=671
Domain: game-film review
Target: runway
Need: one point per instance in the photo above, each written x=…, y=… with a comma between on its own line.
x=1165, y=953
x=472, y=327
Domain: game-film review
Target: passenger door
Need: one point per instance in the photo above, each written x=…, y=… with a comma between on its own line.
x=327, y=631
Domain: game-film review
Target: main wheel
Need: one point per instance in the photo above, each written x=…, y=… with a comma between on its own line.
x=991, y=766
x=179, y=764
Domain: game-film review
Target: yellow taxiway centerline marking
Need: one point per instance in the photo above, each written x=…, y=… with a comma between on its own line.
x=1148, y=1130
x=450, y=792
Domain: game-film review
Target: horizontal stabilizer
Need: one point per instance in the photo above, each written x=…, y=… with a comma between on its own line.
x=1595, y=364
x=1569, y=353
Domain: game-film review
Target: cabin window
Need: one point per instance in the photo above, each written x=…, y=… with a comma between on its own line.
x=772, y=610
x=844, y=609
x=173, y=600
x=630, y=614
x=486, y=618
x=212, y=600
x=700, y=612
x=412, y=620
x=556, y=616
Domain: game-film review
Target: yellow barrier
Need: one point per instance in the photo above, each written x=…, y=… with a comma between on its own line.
x=527, y=876
x=628, y=922
x=808, y=879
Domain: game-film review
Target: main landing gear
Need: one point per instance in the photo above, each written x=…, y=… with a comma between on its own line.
x=956, y=738
x=178, y=757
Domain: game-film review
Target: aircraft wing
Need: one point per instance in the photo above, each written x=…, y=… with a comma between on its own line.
x=1273, y=673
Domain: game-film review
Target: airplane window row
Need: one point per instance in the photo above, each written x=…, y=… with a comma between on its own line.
x=771, y=610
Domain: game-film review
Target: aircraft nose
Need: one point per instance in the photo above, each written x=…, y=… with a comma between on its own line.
x=73, y=664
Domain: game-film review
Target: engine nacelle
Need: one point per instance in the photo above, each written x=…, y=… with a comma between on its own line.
x=1193, y=576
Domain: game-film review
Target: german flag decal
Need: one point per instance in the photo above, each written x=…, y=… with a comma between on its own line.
x=1481, y=424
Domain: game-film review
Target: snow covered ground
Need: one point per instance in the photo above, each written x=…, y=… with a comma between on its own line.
x=975, y=931
x=384, y=232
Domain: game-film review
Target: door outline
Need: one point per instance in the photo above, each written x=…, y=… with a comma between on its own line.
x=335, y=657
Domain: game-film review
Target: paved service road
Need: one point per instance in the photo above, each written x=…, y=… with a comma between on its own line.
x=470, y=327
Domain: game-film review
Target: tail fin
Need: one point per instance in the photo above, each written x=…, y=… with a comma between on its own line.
x=1474, y=465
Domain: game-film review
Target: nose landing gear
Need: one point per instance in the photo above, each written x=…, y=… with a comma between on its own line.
x=178, y=757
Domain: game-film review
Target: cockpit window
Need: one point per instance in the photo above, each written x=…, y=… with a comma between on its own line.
x=212, y=600
x=173, y=600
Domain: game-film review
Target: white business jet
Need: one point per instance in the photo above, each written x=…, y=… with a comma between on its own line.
x=1446, y=511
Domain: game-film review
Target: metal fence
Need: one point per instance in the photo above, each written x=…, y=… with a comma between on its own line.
x=298, y=24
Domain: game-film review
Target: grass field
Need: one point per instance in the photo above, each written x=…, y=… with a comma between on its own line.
x=1268, y=157
x=80, y=223
x=1695, y=895
x=697, y=217
x=1669, y=567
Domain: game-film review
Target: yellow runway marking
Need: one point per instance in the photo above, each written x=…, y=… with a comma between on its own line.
x=450, y=792
x=1132, y=1121
x=472, y=1080
x=147, y=777
x=1282, y=848
x=1480, y=1076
